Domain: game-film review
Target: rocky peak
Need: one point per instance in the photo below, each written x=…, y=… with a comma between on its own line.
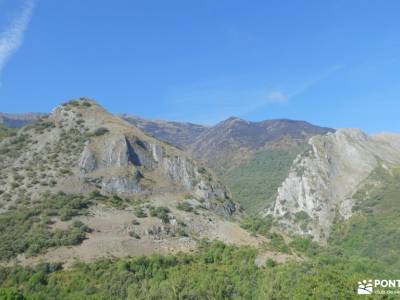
x=232, y=121
x=94, y=149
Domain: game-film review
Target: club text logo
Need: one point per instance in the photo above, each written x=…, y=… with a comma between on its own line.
x=377, y=286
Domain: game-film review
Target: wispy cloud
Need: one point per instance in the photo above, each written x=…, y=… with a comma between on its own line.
x=277, y=97
x=12, y=37
x=314, y=81
x=211, y=101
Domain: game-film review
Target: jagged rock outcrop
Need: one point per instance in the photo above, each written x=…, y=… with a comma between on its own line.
x=321, y=182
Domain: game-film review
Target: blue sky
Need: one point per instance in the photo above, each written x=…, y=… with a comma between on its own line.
x=333, y=63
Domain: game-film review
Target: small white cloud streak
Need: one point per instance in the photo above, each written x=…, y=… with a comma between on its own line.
x=213, y=101
x=12, y=37
x=313, y=82
x=277, y=97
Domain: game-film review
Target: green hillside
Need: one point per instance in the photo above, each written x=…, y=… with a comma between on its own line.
x=255, y=183
x=215, y=271
x=366, y=246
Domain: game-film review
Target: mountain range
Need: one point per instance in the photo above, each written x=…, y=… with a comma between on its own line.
x=19, y=120
x=283, y=168
x=288, y=202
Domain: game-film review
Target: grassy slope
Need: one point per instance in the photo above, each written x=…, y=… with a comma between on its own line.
x=255, y=183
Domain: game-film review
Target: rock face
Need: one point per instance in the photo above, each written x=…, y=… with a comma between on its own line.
x=92, y=149
x=321, y=182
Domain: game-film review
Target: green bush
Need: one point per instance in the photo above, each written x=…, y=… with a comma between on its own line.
x=160, y=212
x=100, y=131
x=11, y=294
x=305, y=245
x=139, y=212
x=257, y=225
x=184, y=206
x=277, y=243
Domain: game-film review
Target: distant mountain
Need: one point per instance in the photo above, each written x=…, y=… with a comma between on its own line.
x=19, y=120
x=234, y=139
x=176, y=133
x=251, y=158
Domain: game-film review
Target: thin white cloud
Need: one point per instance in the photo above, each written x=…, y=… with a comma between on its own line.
x=12, y=37
x=314, y=81
x=277, y=97
x=211, y=101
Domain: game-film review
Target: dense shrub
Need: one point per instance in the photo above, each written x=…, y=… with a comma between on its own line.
x=215, y=271
x=160, y=212
x=139, y=212
x=26, y=229
x=184, y=206
x=100, y=131
x=257, y=225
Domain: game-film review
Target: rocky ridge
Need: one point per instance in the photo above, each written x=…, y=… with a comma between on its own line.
x=322, y=181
